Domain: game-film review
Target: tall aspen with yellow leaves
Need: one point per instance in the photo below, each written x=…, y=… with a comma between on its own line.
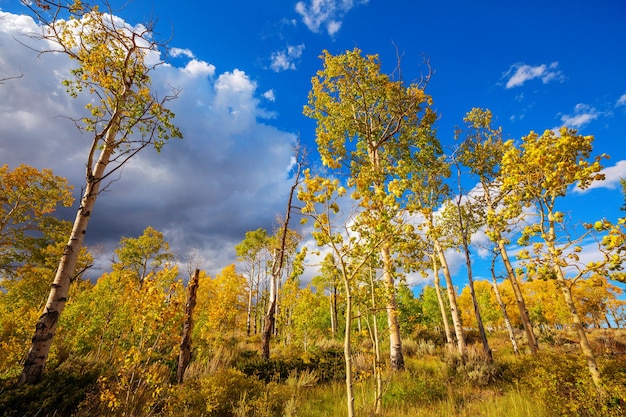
x=537, y=175
x=124, y=118
x=350, y=252
x=481, y=151
x=376, y=130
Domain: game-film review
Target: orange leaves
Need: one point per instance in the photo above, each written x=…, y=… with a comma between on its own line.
x=221, y=307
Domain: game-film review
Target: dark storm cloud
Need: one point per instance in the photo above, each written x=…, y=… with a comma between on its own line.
x=228, y=175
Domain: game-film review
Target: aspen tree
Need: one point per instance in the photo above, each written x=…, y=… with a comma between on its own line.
x=538, y=174
x=372, y=128
x=351, y=251
x=285, y=242
x=123, y=118
x=481, y=151
x=251, y=252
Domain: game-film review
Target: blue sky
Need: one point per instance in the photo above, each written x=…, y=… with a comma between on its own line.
x=245, y=69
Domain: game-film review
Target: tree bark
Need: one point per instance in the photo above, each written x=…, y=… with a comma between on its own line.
x=378, y=362
x=585, y=346
x=442, y=306
x=505, y=315
x=277, y=264
x=519, y=298
x=48, y=321
x=454, y=309
x=333, y=311
x=185, y=345
x=347, y=348
x=396, y=356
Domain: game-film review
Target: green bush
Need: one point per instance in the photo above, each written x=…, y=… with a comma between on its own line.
x=58, y=394
x=562, y=385
x=328, y=364
x=414, y=389
x=474, y=368
x=225, y=393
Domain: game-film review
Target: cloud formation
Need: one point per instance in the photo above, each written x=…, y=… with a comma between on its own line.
x=583, y=115
x=520, y=73
x=327, y=14
x=287, y=58
x=228, y=175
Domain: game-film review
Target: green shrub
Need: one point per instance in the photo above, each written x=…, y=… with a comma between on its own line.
x=474, y=368
x=561, y=383
x=414, y=389
x=226, y=393
x=58, y=394
x=328, y=364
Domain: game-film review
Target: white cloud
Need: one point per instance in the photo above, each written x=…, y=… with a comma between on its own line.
x=519, y=73
x=270, y=95
x=621, y=101
x=286, y=59
x=197, y=68
x=583, y=114
x=327, y=14
x=176, y=52
x=228, y=175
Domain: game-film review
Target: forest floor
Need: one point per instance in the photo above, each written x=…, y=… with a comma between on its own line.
x=236, y=382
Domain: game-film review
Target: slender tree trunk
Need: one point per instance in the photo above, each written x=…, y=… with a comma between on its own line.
x=47, y=324
x=249, y=313
x=519, y=298
x=257, y=285
x=479, y=320
x=585, y=346
x=277, y=264
x=185, y=345
x=333, y=311
x=505, y=315
x=378, y=364
x=465, y=240
x=395, y=341
x=268, y=324
x=442, y=305
x=454, y=310
x=347, y=349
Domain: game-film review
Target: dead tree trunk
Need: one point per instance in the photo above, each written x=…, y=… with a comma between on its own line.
x=185, y=345
x=279, y=260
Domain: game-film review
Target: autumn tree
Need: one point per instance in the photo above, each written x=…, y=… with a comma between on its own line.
x=221, y=310
x=485, y=300
x=481, y=152
x=252, y=252
x=301, y=314
x=502, y=305
x=372, y=128
x=443, y=306
x=284, y=244
x=330, y=281
x=31, y=242
x=124, y=117
x=350, y=250
x=429, y=191
x=461, y=219
x=122, y=311
x=613, y=242
x=538, y=174
x=144, y=254
x=28, y=199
